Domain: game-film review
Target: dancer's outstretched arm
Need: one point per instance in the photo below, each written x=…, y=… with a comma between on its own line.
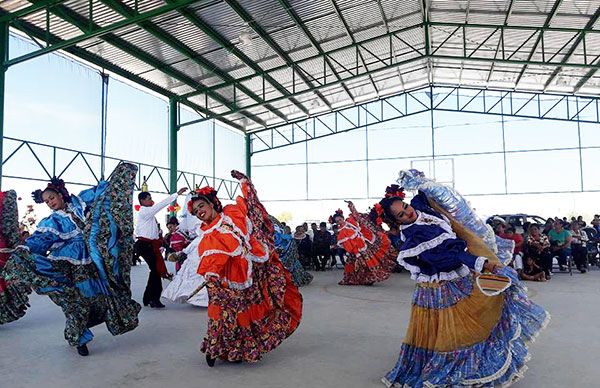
x=261, y=224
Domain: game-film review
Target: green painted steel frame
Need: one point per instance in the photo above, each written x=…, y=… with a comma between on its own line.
x=449, y=99
x=64, y=159
x=3, y=68
x=173, y=126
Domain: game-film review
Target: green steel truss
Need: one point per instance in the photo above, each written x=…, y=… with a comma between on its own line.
x=449, y=99
x=322, y=73
x=83, y=168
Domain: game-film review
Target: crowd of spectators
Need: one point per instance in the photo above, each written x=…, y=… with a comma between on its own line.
x=557, y=239
x=317, y=246
x=536, y=250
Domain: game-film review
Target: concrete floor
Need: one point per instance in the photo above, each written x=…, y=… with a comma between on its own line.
x=349, y=337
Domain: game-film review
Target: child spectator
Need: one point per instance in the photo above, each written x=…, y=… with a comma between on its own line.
x=531, y=271
x=538, y=248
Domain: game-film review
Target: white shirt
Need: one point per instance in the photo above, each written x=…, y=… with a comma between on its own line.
x=147, y=226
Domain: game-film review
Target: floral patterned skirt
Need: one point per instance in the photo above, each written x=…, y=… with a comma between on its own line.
x=95, y=292
x=457, y=336
x=14, y=297
x=245, y=324
x=373, y=265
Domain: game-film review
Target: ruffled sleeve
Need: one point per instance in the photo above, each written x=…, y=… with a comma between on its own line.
x=228, y=248
x=430, y=247
x=46, y=235
x=349, y=239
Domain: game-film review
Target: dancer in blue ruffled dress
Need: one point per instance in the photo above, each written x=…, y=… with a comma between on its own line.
x=458, y=335
x=80, y=256
x=288, y=254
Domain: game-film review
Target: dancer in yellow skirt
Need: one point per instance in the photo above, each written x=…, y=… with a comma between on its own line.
x=457, y=336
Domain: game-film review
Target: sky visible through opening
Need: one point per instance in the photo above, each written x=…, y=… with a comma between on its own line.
x=54, y=100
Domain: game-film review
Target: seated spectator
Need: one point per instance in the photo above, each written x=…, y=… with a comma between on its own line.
x=516, y=237
x=499, y=228
x=548, y=226
x=508, y=233
x=531, y=271
x=526, y=226
x=560, y=243
x=537, y=247
x=579, y=246
x=304, y=246
x=336, y=251
x=581, y=222
x=288, y=230
x=321, y=247
x=596, y=222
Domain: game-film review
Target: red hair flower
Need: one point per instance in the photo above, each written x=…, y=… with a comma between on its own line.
x=338, y=212
x=379, y=211
x=210, y=194
x=206, y=190
x=137, y=208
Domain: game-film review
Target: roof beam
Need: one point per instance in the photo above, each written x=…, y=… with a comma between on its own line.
x=387, y=29
x=347, y=77
x=509, y=12
x=91, y=30
x=124, y=10
x=579, y=39
x=38, y=33
x=292, y=14
x=29, y=10
x=551, y=15
x=336, y=82
x=82, y=23
x=232, y=48
x=338, y=12
x=264, y=35
x=426, y=37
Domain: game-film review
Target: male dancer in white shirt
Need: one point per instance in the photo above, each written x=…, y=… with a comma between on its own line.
x=148, y=244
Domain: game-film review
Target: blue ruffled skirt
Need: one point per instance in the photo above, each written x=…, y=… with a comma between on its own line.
x=460, y=337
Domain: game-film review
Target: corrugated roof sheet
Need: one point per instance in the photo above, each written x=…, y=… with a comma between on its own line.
x=465, y=38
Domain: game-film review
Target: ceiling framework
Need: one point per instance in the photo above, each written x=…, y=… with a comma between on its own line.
x=262, y=65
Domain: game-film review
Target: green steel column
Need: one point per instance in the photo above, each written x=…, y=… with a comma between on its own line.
x=248, y=156
x=3, y=59
x=173, y=127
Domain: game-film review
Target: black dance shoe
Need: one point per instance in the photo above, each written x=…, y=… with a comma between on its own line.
x=83, y=350
x=210, y=361
x=155, y=304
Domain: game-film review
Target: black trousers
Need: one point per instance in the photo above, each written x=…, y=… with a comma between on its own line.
x=543, y=259
x=154, y=285
x=320, y=260
x=579, y=255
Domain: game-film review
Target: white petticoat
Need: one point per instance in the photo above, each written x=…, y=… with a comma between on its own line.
x=187, y=280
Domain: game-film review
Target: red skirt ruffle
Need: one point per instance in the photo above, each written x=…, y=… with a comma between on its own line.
x=373, y=265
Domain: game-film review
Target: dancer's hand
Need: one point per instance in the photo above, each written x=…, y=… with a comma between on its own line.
x=491, y=267
x=182, y=190
x=351, y=206
x=238, y=175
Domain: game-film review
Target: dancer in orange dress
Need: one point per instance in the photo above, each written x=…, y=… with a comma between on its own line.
x=253, y=303
x=370, y=257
